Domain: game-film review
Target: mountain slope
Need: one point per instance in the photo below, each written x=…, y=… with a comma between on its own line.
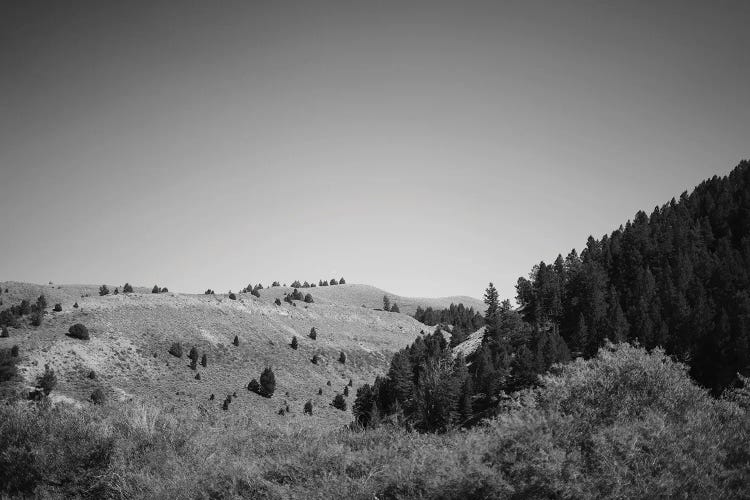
x=131, y=335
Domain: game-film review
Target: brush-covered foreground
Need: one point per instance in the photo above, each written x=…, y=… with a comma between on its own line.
x=625, y=424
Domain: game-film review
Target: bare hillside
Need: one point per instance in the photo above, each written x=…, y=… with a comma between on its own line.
x=131, y=335
x=372, y=297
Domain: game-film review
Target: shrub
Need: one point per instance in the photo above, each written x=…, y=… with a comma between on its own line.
x=78, y=331
x=98, y=397
x=308, y=407
x=57, y=308
x=254, y=386
x=325, y=283
x=267, y=382
x=232, y=296
x=281, y=411
x=204, y=360
x=197, y=376
x=14, y=351
x=308, y=298
x=339, y=402
x=4, y=334
x=47, y=381
x=176, y=350
x=92, y=375
x=75, y=306
x=127, y=288
x=277, y=301
x=294, y=343
x=103, y=290
x=164, y=290
x=211, y=397
x=342, y=357
x=236, y=341
x=328, y=383
x=314, y=359
x=320, y=391
x=153, y=290
x=313, y=333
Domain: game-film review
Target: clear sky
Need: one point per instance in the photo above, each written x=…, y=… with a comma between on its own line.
x=423, y=147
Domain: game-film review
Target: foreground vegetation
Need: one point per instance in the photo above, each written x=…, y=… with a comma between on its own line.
x=624, y=424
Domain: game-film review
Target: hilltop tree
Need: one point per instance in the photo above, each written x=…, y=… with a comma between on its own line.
x=209, y=292
x=255, y=293
x=267, y=382
x=296, y=284
x=103, y=290
x=334, y=282
x=305, y=285
x=275, y=284
x=341, y=281
x=153, y=290
x=127, y=288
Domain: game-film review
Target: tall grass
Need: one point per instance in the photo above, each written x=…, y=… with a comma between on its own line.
x=627, y=424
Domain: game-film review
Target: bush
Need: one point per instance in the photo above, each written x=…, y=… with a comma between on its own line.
x=204, y=360
x=236, y=341
x=308, y=298
x=308, y=407
x=116, y=292
x=14, y=351
x=98, y=397
x=342, y=357
x=320, y=391
x=294, y=343
x=267, y=383
x=314, y=359
x=254, y=386
x=313, y=333
x=176, y=350
x=78, y=331
x=75, y=306
x=103, y=290
x=47, y=381
x=92, y=375
x=197, y=376
x=232, y=296
x=339, y=402
x=277, y=301
x=4, y=333
x=127, y=288
x=395, y=309
x=57, y=308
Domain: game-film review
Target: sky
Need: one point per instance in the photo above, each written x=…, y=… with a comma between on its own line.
x=426, y=148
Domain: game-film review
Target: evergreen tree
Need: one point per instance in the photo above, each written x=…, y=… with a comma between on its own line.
x=127, y=288
x=313, y=333
x=236, y=341
x=294, y=343
x=267, y=382
x=386, y=303
x=339, y=402
x=308, y=410
x=103, y=290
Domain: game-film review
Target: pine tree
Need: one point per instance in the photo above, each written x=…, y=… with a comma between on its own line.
x=236, y=341
x=339, y=402
x=308, y=410
x=127, y=288
x=386, y=303
x=103, y=290
x=313, y=333
x=294, y=343
x=342, y=357
x=267, y=382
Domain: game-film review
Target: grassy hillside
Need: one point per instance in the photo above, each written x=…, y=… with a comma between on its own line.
x=372, y=297
x=131, y=335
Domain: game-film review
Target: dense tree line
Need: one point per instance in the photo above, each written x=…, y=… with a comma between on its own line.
x=678, y=278
x=464, y=319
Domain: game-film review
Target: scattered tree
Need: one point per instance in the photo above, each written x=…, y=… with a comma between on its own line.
x=386, y=303
x=153, y=290
x=308, y=407
x=209, y=292
x=254, y=386
x=294, y=343
x=267, y=382
x=308, y=298
x=296, y=284
x=232, y=296
x=342, y=357
x=395, y=309
x=197, y=376
x=57, y=308
x=334, y=282
x=313, y=333
x=339, y=402
x=103, y=290
x=75, y=306
x=320, y=391
x=236, y=341
x=92, y=375
x=176, y=349
x=255, y=293
x=48, y=381
x=78, y=331
x=277, y=301
x=346, y=391
x=314, y=359
x=341, y=281
x=14, y=349
x=4, y=334
x=98, y=397
x=204, y=360
x=127, y=288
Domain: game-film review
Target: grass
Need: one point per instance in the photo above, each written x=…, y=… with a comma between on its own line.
x=627, y=424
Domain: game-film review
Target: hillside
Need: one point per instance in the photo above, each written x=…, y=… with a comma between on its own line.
x=372, y=297
x=131, y=335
